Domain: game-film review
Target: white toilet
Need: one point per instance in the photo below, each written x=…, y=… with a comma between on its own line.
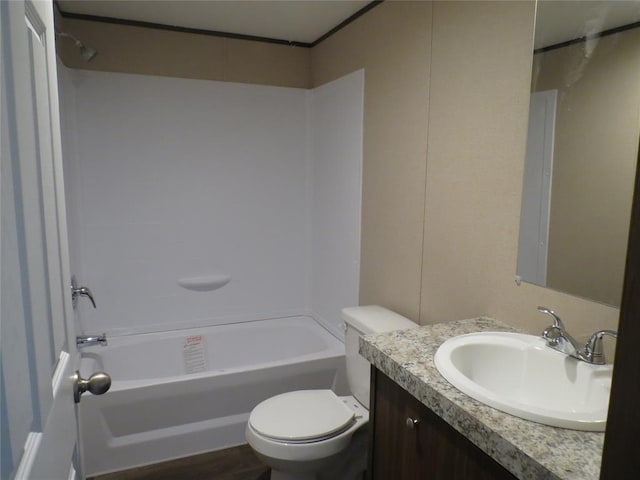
x=309, y=434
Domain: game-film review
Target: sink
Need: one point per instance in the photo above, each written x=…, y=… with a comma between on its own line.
x=518, y=374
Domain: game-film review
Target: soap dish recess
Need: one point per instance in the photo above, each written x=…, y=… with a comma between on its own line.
x=205, y=283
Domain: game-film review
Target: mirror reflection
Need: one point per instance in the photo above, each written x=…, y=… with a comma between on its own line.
x=582, y=147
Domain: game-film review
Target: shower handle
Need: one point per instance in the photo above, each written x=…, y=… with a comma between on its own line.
x=80, y=291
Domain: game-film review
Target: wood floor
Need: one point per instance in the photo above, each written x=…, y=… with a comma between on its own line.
x=237, y=463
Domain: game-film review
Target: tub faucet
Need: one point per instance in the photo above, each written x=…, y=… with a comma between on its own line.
x=559, y=339
x=89, y=340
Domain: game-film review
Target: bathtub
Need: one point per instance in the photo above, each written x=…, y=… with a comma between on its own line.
x=180, y=393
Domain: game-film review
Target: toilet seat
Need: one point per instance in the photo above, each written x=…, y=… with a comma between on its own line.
x=318, y=449
x=303, y=416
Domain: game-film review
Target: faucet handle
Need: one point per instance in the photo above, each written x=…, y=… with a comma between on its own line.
x=557, y=336
x=553, y=333
x=83, y=291
x=594, y=350
x=556, y=319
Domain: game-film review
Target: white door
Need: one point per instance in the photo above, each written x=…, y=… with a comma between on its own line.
x=38, y=352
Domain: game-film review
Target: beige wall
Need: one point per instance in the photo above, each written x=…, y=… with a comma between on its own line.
x=149, y=51
x=481, y=64
x=392, y=44
x=595, y=156
x=456, y=74
x=468, y=65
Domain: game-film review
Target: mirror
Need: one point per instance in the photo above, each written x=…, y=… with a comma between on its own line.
x=581, y=148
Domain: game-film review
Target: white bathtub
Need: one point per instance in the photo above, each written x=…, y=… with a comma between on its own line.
x=158, y=411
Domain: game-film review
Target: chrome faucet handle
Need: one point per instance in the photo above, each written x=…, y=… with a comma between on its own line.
x=551, y=334
x=594, y=350
x=557, y=336
x=556, y=319
x=82, y=291
x=554, y=332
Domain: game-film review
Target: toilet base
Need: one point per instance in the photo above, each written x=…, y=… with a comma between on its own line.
x=350, y=464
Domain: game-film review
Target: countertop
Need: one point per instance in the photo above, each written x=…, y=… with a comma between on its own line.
x=529, y=450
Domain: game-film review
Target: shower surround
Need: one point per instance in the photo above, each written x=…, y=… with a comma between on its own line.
x=194, y=203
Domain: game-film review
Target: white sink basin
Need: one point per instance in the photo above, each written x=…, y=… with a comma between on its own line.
x=520, y=375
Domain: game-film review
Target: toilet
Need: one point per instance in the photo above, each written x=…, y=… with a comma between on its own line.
x=315, y=434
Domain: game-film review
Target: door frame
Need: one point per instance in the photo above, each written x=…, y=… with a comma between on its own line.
x=620, y=455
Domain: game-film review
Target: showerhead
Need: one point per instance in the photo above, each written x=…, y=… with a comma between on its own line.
x=85, y=52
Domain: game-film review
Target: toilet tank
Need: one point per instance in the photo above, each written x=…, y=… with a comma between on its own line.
x=362, y=321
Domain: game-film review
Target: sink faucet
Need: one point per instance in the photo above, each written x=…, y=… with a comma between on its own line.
x=559, y=339
x=594, y=350
x=89, y=340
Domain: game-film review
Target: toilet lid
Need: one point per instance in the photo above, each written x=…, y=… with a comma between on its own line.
x=301, y=415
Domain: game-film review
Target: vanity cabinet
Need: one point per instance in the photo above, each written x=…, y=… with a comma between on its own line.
x=409, y=441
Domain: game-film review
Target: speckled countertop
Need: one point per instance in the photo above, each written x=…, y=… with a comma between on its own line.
x=529, y=450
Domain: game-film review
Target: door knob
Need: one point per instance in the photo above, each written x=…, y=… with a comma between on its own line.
x=83, y=291
x=98, y=383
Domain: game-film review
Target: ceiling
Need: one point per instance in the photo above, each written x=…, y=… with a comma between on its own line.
x=307, y=20
x=295, y=21
x=560, y=21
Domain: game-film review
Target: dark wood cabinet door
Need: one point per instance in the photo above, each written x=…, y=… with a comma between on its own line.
x=409, y=441
x=395, y=449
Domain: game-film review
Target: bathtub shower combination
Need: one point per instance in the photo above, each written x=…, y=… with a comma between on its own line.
x=234, y=237
x=190, y=391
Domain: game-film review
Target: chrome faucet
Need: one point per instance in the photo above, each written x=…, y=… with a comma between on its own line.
x=90, y=340
x=559, y=339
x=594, y=350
